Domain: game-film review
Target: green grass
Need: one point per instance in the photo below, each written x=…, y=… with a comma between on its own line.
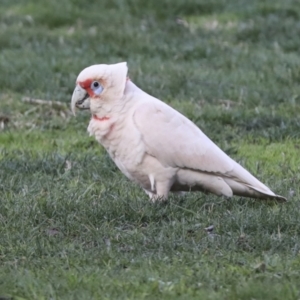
x=73, y=227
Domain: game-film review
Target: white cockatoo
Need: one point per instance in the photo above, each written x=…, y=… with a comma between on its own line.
x=153, y=144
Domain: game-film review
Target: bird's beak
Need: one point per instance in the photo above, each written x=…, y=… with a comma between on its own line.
x=80, y=99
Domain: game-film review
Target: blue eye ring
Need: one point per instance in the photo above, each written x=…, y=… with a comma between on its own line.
x=97, y=87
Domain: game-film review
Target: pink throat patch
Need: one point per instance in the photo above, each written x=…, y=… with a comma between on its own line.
x=100, y=119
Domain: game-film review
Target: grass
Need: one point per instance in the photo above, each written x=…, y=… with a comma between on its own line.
x=73, y=227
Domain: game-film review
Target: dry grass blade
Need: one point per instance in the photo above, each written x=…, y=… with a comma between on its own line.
x=44, y=102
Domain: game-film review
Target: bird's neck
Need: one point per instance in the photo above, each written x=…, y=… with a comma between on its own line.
x=130, y=89
x=115, y=108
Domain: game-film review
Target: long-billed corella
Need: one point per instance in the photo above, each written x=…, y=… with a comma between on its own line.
x=153, y=144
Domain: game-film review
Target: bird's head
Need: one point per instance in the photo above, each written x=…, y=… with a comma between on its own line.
x=98, y=84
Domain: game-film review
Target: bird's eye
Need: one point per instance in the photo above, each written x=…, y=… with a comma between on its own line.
x=96, y=87
x=95, y=84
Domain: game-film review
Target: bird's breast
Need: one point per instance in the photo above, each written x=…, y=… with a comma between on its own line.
x=119, y=137
x=101, y=128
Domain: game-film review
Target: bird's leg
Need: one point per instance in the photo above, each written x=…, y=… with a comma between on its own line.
x=149, y=194
x=162, y=191
x=156, y=197
x=153, y=197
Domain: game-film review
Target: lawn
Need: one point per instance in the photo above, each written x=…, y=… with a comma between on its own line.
x=72, y=226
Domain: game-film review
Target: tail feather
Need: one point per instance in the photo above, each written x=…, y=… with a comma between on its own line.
x=245, y=185
x=251, y=186
x=247, y=190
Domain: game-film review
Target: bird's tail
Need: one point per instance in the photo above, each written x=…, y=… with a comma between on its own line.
x=245, y=184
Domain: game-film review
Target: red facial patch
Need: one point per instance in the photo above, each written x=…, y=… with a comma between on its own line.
x=87, y=86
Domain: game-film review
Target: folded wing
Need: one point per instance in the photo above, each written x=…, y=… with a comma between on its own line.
x=177, y=142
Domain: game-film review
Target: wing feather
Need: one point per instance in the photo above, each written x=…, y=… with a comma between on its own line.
x=176, y=141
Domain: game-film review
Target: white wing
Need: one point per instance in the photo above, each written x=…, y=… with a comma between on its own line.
x=175, y=141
